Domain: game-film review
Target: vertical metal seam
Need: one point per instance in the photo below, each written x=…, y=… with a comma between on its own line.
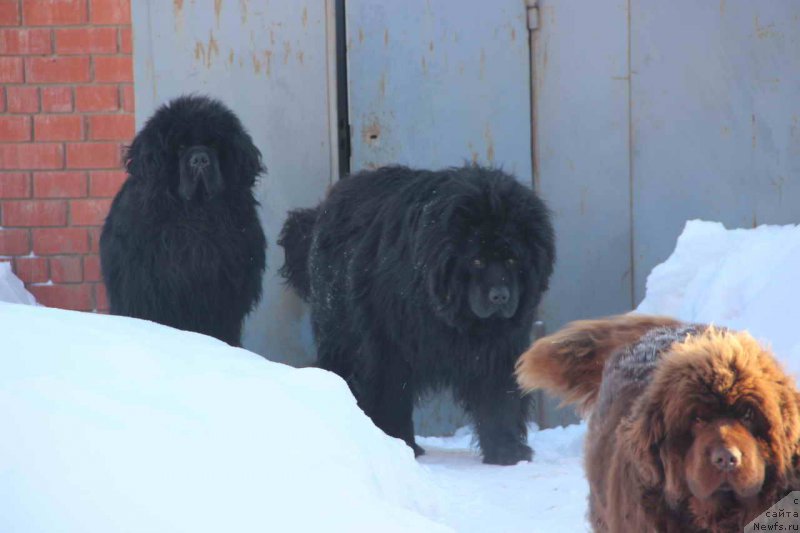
x=630, y=163
x=535, y=178
x=333, y=98
x=342, y=85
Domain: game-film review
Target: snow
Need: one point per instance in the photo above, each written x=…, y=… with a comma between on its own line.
x=745, y=279
x=12, y=289
x=115, y=424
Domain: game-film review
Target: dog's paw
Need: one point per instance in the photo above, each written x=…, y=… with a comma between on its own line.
x=508, y=454
x=418, y=450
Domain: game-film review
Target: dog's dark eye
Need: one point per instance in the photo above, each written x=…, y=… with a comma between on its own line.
x=478, y=263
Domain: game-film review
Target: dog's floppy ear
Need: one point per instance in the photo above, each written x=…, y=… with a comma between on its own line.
x=640, y=435
x=144, y=157
x=249, y=163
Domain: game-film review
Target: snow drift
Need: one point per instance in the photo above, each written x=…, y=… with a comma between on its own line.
x=745, y=279
x=12, y=290
x=116, y=424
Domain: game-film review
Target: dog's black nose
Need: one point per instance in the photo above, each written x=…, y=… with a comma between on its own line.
x=199, y=160
x=726, y=459
x=499, y=295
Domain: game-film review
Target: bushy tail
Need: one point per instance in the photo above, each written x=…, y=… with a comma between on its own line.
x=569, y=363
x=295, y=238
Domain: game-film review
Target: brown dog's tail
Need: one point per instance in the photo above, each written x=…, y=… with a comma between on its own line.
x=569, y=363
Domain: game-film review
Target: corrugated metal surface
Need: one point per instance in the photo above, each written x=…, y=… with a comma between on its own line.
x=269, y=61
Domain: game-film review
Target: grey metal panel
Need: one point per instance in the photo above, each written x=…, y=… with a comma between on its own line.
x=269, y=61
x=438, y=83
x=581, y=147
x=716, y=93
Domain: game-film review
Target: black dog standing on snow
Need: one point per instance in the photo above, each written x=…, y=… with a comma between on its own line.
x=419, y=280
x=182, y=244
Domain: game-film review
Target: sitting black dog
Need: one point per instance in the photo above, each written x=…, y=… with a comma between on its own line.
x=419, y=280
x=182, y=244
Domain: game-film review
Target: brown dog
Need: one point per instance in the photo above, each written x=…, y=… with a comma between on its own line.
x=692, y=428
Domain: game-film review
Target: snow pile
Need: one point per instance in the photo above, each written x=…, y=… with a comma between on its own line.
x=115, y=424
x=11, y=288
x=547, y=494
x=745, y=279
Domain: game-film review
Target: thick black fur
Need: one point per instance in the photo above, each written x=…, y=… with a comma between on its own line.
x=182, y=244
x=398, y=268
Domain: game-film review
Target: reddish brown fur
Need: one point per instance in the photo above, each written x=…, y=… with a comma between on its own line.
x=649, y=447
x=569, y=363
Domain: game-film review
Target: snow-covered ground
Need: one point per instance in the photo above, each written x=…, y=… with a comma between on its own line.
x=113, y=424
x=12, y=289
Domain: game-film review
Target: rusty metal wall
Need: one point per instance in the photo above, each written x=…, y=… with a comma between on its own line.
x=651, y=113
x=270, y=61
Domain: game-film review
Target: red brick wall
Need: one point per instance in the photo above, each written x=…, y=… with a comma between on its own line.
x=66, y=110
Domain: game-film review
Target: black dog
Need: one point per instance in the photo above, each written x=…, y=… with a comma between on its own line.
x=419, y=280
x=182, y=244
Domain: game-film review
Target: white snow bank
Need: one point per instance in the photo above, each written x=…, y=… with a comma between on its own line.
x=115, y=424
x=746, y=279
x=12, y=290
x=545, y=495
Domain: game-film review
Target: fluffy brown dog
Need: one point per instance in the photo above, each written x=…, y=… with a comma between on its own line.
x=692, y=428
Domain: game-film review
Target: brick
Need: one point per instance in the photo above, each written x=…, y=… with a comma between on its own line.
x=96, y=98
x=113, y=69
x=126, y=40
x=2, y=99
x=53, y=12
x=15, y=128
x=14, y=242
x=9, y=13
x=34, y=213
x=106, y=183
x=94, y=240
x=89, y=212
x=111, y=127
x=58, y=127
x=111, y=11
x=86, y=41
x=25, y=41
x=43, y=156
x=57, y=99
x=101, y=298
x=59, y=184
x=31, y=269
x=57, y=69
x=11, y=70
x=15, y=185
x=58, y=241
x=30, y=156
x=78, y=297
x=93, y=155
x=22, y=99
x=66, y=269
x=128, y=99
x=91, y=268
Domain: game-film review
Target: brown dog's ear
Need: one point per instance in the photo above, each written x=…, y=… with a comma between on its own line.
x=640, y=436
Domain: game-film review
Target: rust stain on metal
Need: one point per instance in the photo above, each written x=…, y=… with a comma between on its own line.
x=513, y=34
x=305, y=17
x=764, y=32
x=489, y=138
x=360, y=35
x=382, y=85
x=721, y=8
x=430, y=46
x=371, y=132
x=386, y=37
x=272, y=36
x=300, y=56
x=256, y=63
x=287, y=51
x=424, y=63
x=213, y=49
x=473, y=153
x=200, y=52
x=268, y=62
x=177, y=6
x=482, y=69
x=243, y=9
x=231, y=58
x=217, y=10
